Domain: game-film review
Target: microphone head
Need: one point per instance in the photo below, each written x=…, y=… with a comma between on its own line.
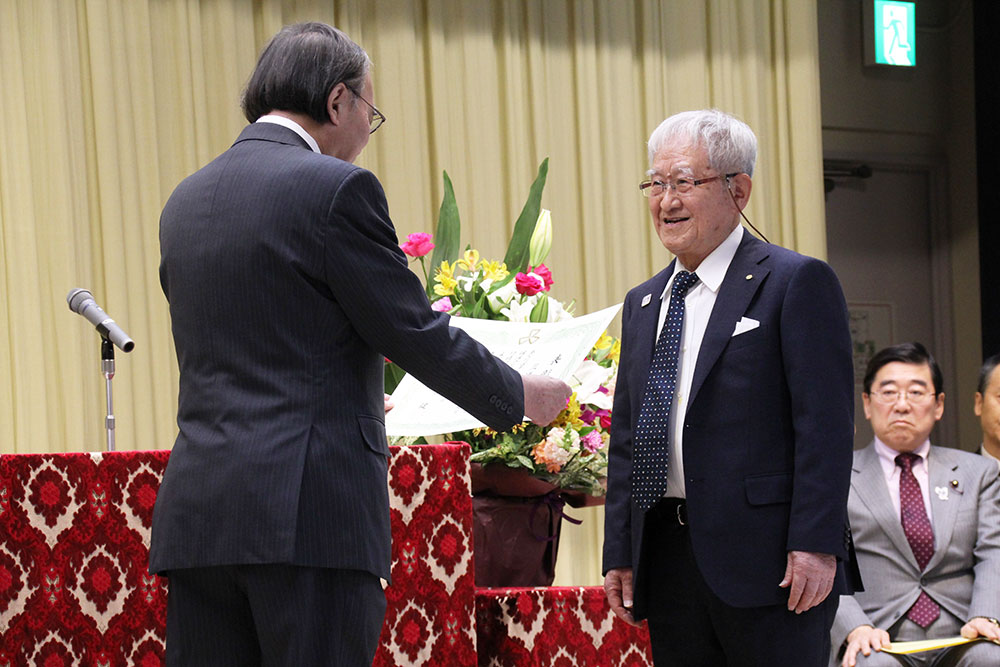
x=76, y=298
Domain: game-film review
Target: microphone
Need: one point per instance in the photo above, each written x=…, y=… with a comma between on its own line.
x=82, y=301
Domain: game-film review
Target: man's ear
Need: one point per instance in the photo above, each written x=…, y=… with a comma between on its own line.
x=978, y=406
x=336, y=101
x=740, y=185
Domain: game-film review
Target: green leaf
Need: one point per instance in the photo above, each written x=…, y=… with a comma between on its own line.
x=540, y=313
x=393, y=375
x=447, y=233
x=519, y=248
x=526, y=462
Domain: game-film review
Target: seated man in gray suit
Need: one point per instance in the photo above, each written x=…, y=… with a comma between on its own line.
x=987, y=408
x=926, y=524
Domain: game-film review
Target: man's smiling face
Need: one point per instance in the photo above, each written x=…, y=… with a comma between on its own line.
x=693, y=224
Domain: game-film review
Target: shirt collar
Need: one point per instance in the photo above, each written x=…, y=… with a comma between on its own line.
x=293, y=126
x=982, y=450
x=712, y=270
x=888, y=454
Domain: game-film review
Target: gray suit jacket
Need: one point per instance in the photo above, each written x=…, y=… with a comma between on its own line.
x=963, y=575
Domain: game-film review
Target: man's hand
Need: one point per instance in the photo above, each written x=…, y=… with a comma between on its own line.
x=544, y=398
x=981, y=627
x=809, y=579
x=866, y=639
x=618, y=588
x=389, y=405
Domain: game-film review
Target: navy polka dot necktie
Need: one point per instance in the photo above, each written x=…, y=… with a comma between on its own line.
x=919, y=534
x=649, y=470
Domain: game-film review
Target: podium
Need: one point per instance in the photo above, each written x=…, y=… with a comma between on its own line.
x=74, y=585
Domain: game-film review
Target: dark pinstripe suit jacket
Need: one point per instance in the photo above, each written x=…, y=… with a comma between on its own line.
x=286, y=289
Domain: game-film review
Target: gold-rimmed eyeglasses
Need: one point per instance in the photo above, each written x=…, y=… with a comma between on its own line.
x=377, y=116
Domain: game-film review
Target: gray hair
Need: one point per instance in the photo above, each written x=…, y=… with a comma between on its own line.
x=730, y=143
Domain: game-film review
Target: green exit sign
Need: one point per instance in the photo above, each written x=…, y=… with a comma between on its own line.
x=890, y=29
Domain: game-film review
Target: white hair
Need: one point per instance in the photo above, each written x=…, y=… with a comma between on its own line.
x=730, y=143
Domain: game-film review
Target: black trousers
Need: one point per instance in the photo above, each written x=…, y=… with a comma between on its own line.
x=690, y=626
x=273, y=615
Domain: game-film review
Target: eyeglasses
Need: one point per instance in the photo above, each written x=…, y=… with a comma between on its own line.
x=377, y=116
x=680, y=186
x=911, y=396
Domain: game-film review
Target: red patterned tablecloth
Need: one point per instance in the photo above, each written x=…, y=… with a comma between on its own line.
x=74, y=538
x=561, y=627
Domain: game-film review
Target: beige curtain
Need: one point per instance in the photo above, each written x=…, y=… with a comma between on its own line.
x=106, y=105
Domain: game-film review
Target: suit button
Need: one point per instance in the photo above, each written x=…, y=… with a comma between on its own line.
x=923, y=581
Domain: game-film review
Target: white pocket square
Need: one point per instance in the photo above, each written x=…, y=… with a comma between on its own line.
x=744, y=325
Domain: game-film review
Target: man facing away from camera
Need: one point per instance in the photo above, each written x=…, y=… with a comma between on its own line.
x=287, y=290
x=730, y=453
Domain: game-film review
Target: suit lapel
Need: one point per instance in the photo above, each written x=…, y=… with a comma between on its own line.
x=868, y=484
x=734, y=296
x=943, y=469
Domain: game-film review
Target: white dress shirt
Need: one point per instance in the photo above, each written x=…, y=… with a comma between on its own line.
x=698, y=304
x=892, y=472
x=293, y=126
x=982, y=450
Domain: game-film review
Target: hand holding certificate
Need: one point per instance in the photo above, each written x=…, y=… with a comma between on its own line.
x=554, y=349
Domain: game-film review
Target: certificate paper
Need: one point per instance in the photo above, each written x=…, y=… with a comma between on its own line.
x=552, y=348
x=901, y=648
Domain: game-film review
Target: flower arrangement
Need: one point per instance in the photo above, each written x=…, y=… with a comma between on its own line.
x=570, y=454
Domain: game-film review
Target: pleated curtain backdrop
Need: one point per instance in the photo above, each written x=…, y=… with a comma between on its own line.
x=107, y=105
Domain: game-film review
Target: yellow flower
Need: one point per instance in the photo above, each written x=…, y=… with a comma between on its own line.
x=494, y=270
x=571, y=415
x=604, y=342
x=616, y=351
x=445, y=277
x=470, y=260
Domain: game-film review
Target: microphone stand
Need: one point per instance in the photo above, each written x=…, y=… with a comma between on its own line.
x=108, y=370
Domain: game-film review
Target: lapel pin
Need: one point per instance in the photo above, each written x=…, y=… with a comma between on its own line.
x=645, y=300
x=749, y=276
x=942, y=492
x=954, y=483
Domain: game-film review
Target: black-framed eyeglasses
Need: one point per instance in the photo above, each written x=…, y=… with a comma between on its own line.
x=377, y=116
x=681, y=186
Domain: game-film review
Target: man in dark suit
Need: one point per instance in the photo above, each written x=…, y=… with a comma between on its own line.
x=287, y=290
x=731, y=434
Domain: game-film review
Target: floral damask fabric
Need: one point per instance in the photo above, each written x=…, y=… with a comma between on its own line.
x=557, y=627
x=74, y=539
x=75, y=590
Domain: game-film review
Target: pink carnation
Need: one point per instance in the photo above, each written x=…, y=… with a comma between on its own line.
x=545, y=274
x=528, y=285
x=592, y=441
x=417, y=245
x=442, y=305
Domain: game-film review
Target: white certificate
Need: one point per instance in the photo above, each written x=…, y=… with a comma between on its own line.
x=551, y=348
